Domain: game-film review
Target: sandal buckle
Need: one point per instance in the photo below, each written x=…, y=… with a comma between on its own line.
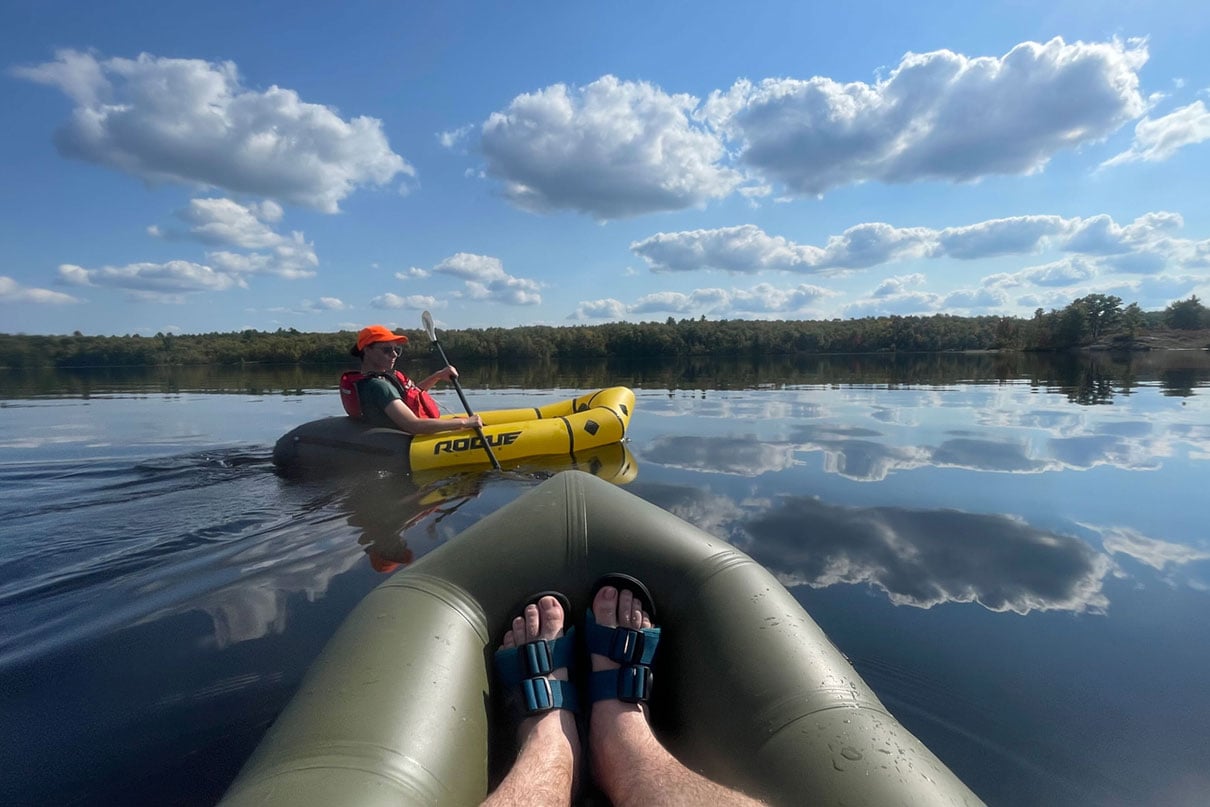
x=538, y=695
x=634, y=683
x=538, y=659
x=626, y=646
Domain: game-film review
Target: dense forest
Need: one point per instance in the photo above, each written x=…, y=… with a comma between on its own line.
x=1096, y=320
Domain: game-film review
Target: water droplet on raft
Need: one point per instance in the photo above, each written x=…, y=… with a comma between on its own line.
x=850, y=753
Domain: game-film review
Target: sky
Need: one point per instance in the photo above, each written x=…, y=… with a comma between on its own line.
x=188, y=168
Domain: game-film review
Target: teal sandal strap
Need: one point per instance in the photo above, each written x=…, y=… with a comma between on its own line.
x=543, y=694
x=523, y=671
x=533, y=659
x=623, y=645
x=630, y=684
x=633, y=649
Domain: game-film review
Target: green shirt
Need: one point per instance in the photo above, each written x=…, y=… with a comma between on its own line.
x=375, y=395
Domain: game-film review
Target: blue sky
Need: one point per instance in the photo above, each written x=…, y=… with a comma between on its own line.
x=191, y=168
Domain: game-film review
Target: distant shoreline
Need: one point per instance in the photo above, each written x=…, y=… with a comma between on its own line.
x=1055, y=333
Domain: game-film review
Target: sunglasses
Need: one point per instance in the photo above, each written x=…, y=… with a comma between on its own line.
x=392, y=349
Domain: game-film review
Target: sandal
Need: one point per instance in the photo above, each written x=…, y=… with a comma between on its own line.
x=523, y=671
x=631, y=648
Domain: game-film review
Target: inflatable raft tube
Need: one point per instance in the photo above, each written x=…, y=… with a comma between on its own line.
x=748, y=689
x=561, y=429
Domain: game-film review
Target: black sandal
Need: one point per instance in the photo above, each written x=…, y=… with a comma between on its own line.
x=523, y=671
x=632, y=648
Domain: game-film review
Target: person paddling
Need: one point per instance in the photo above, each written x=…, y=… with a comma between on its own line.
x=383, y=396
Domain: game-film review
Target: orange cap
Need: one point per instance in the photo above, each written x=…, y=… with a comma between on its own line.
x=377, y=333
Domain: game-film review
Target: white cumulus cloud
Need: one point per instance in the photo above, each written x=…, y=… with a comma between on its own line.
x=1064, y=272
x=193, y=121
x=485, y=279
x=610, y=149
x=903, y=303
x=413, y=302
x=13, y=292
x=1159, y=139
x=900, y=284
x=616, y=148
x=762, y=299
x=168, y=282
x=325, y=304
x=1094, y=246
x=743, y=249
x=600, y=309
x=227, y=223
x=1017, y=235
x=875, y=243
x=938, y=115
x=765, y=298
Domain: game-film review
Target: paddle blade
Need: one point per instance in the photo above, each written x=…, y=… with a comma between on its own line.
x=427, y=319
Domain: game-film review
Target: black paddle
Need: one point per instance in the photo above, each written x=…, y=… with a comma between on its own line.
x=432, y=332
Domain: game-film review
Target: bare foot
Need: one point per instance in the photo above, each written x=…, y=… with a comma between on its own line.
x=547, y=763
x=615, y=724
x=617, y=608
x=628, y=762
x=543, y=620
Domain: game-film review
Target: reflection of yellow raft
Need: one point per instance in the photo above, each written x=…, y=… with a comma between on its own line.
x=565, y=429
x=613, y=463
x=748, y=689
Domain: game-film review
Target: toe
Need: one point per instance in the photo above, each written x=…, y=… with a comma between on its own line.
x=626, y=604
x=519, y=637
x=550, y=613
x=543, y=619
x=533, y=623
x=605, y=607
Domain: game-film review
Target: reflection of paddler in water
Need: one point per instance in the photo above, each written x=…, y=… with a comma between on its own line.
x=385, y=513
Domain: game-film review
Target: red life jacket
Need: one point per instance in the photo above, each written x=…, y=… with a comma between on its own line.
x=414, y=398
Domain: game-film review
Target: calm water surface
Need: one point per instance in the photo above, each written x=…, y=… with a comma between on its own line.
x=1013, y=555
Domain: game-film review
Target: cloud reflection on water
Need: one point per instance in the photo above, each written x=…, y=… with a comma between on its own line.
x=924, y=558
x=1163, y=556
x=1053, y=461
x=743, y=455
x=871, y=461
x=928, y=557
x=253, y=610
x=304, y=559
x=717, y=515
x=1092, y=450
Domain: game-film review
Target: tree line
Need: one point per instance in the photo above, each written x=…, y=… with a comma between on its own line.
x=1095, y=319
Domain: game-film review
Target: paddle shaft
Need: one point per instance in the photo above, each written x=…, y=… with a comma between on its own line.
x=458, y=389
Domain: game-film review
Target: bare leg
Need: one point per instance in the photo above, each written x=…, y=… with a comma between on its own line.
x=545, y=771
x=628, y=762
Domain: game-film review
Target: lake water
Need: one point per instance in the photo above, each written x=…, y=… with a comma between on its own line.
x=1011, y=550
